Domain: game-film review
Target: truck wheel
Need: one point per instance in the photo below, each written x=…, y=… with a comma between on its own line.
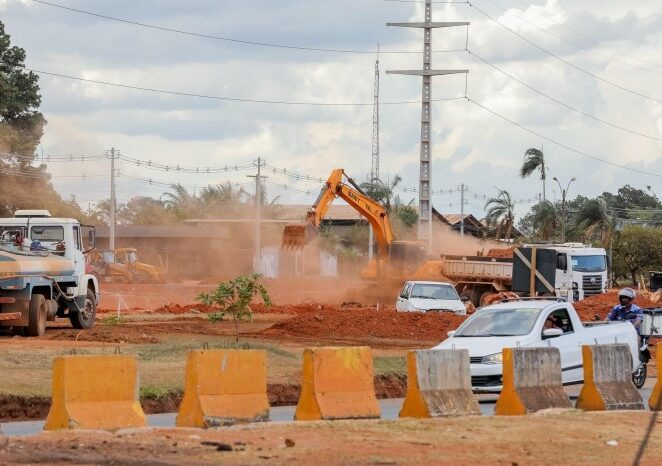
x=37, y=316
x=84, y=318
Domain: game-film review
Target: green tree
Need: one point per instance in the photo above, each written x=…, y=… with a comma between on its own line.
x=594, y=221
x=500, y=213
x=21, y=124
x=636, y=250
x=234, y=298
x=534, y=159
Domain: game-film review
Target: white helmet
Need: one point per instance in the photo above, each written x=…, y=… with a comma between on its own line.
x=627, y=292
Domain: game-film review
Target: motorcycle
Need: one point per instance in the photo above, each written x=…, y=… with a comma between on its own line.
x=639, y=376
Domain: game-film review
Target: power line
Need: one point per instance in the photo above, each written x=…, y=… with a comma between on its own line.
x=560, y=144
x=590, y=38
x=508, y=12
x=551, y=54
x=231, y=39
x=570, y=107
x=224, y=98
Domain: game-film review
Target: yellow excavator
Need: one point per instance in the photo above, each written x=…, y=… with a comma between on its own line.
x=396, y=260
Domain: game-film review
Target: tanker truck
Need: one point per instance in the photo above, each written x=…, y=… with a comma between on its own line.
x=43, y=274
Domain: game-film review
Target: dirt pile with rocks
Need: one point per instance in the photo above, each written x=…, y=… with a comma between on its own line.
x=602, y=303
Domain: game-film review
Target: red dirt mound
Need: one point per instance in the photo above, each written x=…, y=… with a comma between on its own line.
x=502, y=253
x=368, y=322
x=602, y=303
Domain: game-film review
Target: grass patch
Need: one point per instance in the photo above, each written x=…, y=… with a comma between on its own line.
x=390, y=365
x=153, y=392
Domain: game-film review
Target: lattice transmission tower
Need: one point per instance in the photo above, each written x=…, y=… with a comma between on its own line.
x=425, y=159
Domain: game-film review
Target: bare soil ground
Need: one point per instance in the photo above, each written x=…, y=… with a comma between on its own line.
x=568, y=438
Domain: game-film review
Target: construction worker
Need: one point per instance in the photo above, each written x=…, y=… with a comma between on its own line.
x=627, y=310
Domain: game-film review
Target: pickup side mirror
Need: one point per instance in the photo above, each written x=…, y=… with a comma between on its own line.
x=451, y=333
x=551, y=333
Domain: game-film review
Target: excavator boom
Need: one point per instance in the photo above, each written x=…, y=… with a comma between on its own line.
x=296, y=236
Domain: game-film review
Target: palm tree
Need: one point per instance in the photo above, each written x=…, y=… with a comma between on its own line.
x=384, y=193
x=593, y=219
x=546, y=219
x=500, y=213
x=534, y=159
x=182, y=203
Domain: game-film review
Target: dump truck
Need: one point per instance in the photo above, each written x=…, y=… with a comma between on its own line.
x=572, y=271
x=43, y=273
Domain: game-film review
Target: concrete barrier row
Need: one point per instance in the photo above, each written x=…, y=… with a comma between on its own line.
x=227, y=386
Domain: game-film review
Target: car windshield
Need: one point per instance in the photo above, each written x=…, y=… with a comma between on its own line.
x=589, y=263
x=133, y=257
x=433, y=291
x=499, y=323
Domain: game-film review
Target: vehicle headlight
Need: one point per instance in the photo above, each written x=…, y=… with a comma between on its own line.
x=575, y=285
x=496, y=358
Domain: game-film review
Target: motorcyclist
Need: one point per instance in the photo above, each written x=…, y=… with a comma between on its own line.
x=627, y=310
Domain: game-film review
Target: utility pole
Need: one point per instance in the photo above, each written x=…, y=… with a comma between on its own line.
x=113, y=206
x=374, y=167
x=258, y=215
x=564, y=192
x=462, y=190
x=425, y=159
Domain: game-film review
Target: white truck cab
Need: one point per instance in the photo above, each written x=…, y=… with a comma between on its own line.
x=581, y=270
x=45, y=274
x=426, y=296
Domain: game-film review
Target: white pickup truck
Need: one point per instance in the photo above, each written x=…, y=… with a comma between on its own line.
x=532, y=323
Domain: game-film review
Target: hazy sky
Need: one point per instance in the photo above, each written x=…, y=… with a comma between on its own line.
x=617, y=41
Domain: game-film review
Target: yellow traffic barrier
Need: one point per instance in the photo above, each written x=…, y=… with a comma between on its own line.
x=223, y=387
x=655, y=401
x=608, y=379
x=531, y=381
x=95, y=392
x=338, y=383
x=439, y=384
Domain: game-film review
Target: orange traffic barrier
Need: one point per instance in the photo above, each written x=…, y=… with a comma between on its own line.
x=608, y=379
x=655, y=401
x=439, y=384
x=223, y=387
x=95, y=392
x=531, y=381
x=338, y=383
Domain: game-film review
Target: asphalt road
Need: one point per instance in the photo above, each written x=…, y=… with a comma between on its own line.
x=390, y=409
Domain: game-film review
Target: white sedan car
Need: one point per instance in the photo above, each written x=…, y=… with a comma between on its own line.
x=420, y=296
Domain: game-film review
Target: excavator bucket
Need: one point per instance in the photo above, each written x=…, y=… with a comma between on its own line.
x=297, y=235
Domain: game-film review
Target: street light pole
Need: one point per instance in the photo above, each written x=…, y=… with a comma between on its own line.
x=564, y=192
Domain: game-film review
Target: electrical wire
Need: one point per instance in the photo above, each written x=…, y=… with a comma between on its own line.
x=225, y=98
x=572, y=65
x=553, y=99
x=234, y=40
x=575, y=31
x=560, y=144
x=509, y=12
